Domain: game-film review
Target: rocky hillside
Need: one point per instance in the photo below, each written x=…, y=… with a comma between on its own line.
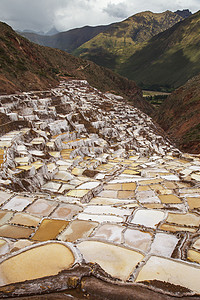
x=27, y=66
x=67, y=40
x=114, y=46
x=185, y=13
x=179, y=116
x=169, y=59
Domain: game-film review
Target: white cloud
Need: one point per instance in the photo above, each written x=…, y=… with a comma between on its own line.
x=119, y=10
x=129, y=7
x=67, y=14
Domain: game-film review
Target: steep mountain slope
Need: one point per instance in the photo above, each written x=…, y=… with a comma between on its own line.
x=27, y=66
x=169, y=59
x=114, y=46
x=179, y=115
x=185, y=13
x=52, y=31
x=67, y=40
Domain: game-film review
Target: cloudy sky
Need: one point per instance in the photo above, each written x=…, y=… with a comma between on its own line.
x=42, y=15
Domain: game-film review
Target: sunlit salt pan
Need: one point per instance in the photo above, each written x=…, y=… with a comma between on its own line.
x=106, y=210
x=172, y=271
x=17, y=203
x=164, y=244
x=100, y=218
x=148, y=218
x=88, y=185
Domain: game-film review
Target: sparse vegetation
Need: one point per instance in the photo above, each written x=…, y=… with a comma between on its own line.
x=193, y=135
x=155, y=98
x=169, y=59
x=120, y=41
x=179, y=115
x=27, y=66
x=67, y=41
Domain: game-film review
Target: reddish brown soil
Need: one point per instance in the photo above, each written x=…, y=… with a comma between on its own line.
x=179, y=116
x=25, y=66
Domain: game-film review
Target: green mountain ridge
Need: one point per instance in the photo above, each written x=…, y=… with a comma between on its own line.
x=68, y=40
x=120, y=41
x=169, y=59
x=25, y=66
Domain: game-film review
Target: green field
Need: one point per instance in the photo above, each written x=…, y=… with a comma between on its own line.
x=156, y=98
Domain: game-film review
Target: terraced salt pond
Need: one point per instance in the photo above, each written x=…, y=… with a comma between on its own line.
x=97, y=187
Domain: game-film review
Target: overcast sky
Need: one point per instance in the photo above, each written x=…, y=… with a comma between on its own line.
x=42, y=15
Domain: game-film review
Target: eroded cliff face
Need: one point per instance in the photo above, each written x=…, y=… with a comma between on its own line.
x=95, y=200
x=180, y=114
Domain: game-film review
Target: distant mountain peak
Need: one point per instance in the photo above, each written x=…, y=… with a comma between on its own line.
x=185, y=13
x=32, y=31
x=52, y=31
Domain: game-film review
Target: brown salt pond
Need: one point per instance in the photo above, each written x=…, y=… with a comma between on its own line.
x=40, y=261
